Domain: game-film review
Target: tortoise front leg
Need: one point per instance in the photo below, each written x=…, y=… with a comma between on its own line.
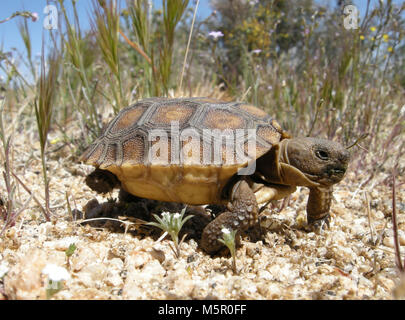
x=240, y=215
x=318, y=206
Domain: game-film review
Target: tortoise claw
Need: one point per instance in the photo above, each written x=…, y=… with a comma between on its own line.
x=319, y=224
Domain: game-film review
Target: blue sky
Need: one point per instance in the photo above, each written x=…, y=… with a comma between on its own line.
x=9, y=34
x=10, y=37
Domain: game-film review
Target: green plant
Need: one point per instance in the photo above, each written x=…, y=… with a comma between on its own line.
x=44, y=106
x=69, y=252
x=106, y=27
x=8, y=211
x=157, y=67
x=172, y=13
x=172, y=223
x=229, y=240
x=25, y=35
x=77, y=53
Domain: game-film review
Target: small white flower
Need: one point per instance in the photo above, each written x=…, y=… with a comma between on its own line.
x=256, y=51
x=56, y=273
x=176, y=215
x=225, y=231
x=3, y=270
x=403, y=110
x=165, y=214
x=216, y=34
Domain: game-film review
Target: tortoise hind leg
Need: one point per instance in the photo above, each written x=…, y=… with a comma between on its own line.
x=125, y=196
x=102, y=181
x=241, y=214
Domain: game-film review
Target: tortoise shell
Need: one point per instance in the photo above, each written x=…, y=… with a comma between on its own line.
x=182, y=150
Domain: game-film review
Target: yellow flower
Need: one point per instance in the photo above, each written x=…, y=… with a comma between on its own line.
x=362, y=37
x=390, y=49
x=386, y=37
x=373, y=29
x=372, y=38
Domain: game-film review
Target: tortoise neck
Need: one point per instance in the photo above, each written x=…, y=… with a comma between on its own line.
x=283, y=154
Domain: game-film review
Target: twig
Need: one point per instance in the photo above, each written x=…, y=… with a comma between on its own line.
x=369, y=217
x=68, y=206
x=188, y=44
x=395, y=226
x=362, y=137
x=25, y=14
x=245, y=94
x=47, y=217
x=136, y=47
x=15, y=216
x=112, y=219
x=318, y=107
x=162, y=236
x=127, y=223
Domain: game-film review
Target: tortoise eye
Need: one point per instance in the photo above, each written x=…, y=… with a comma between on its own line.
x=321, y=154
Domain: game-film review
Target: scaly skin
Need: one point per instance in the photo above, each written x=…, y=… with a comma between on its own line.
x=102, y=181
x=318, y=206
x=241, y=214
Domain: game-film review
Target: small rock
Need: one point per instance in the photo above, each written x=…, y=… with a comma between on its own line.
x=138, y=259
x=399, y=290
x=379, y=215
x=265, y=275
x=25, y=281
x=386, y=283
x=92, y=275
x=158, y=254
x=138, y=283
x=389, y=241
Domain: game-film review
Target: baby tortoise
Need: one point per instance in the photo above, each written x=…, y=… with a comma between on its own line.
x=192, y=150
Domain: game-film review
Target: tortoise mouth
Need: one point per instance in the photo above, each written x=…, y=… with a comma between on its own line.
x=326, y=180
x=336, y=172
x=331, y=176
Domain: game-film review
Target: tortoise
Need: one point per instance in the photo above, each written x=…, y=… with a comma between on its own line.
x=201, y=151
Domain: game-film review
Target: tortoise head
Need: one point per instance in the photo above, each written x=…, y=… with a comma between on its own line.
x=321, y=161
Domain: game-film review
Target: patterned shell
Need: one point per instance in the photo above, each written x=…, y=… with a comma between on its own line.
x=197, y=124
x=167, y=147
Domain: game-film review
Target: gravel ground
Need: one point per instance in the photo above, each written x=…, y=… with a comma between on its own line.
x=353, y=259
